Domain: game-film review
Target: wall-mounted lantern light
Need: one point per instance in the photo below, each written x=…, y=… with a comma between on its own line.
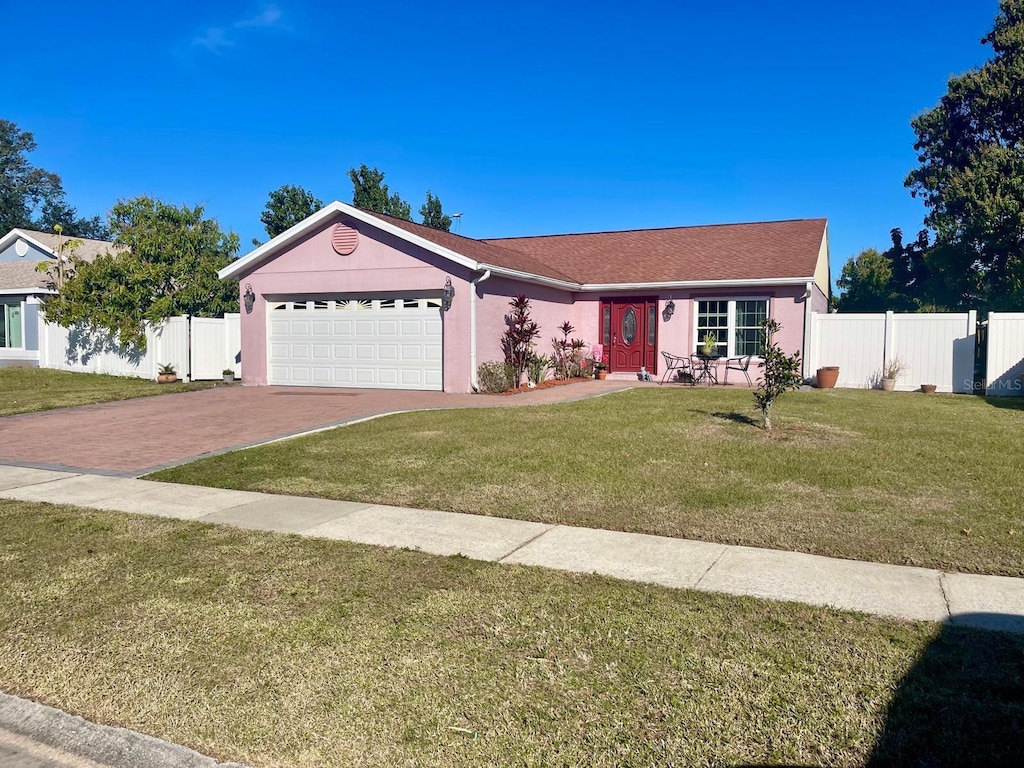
x=669, y=310
x=250, y=299
x=447, y=294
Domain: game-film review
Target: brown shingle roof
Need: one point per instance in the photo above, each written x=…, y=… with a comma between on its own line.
x=480, y=250
x=87, y=251
x=765, y=250
x=20, y=274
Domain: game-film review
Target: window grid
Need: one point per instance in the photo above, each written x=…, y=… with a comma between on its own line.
x=736, y=324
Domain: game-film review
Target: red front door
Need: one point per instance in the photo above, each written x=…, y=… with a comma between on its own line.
x=630, y=331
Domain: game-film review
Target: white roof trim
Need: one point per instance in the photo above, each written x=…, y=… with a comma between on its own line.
x=678, y=284
x=291, y=235
x=298, y=231
x=20, y=291
x=16, y=233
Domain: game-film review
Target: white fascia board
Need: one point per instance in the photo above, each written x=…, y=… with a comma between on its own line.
x=680, y=284
x=529, y=277
x=19, y=291
x=298, y=231
x=16, y=233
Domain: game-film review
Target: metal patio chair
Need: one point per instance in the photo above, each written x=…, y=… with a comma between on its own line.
x=676, y=363
x=740, y=364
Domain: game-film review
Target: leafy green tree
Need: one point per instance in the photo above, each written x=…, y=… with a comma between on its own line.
x=167, y=265
x=56, y=212
x=971, y=175
x=371, y=193
x=286, y=207
x=23, y=187
x=866, y=283
x=432, y=214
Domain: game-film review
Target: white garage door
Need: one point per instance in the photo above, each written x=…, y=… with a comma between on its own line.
x=381, y=343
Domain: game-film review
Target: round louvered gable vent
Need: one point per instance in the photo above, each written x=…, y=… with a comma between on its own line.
x=344, y=239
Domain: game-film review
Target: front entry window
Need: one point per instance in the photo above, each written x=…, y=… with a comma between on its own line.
x=629, y=326
x=735, y=324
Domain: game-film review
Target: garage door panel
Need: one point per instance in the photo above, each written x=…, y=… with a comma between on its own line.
x=397, y=347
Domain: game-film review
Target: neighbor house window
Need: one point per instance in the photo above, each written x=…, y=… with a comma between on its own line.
x=10, y=326
x=735, y=324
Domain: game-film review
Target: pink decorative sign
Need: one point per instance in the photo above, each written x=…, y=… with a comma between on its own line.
x=344, y=239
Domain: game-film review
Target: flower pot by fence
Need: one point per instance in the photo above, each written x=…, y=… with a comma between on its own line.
x=928, y=388
x=828, y=376
x=888, y=384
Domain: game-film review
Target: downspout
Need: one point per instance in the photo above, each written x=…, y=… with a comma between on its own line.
x=472, y=329
x=808, y=304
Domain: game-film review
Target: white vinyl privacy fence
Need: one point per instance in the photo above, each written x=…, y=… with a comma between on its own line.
x=934, y=348
x=198, y=348
x=1005, y=365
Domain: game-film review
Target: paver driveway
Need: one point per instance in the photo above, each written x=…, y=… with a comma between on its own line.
x=133, y=437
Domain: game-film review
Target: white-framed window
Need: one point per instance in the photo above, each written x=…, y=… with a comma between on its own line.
x=11, y=336
x=735, y=323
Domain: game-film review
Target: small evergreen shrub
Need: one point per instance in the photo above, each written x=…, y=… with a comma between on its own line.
x=495, y=376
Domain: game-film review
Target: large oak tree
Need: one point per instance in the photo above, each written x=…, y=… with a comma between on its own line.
x=971, y=177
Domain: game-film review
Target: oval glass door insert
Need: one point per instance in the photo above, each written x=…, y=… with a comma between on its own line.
x=629, y=326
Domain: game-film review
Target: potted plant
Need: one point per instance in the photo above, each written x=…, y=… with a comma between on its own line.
x=709, y=347
x=928, y=389
x=827, y=376
x=229, y=375
x=890, y=372
x=167, y=374
x=601, y=368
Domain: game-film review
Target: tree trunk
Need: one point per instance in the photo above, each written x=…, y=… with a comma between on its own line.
x=766, y=416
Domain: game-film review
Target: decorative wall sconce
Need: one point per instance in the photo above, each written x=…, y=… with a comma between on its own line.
x=669, y=310
x=447, y=294
x=250, y=299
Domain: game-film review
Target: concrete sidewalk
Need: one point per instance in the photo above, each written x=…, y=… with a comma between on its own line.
x=990, y=602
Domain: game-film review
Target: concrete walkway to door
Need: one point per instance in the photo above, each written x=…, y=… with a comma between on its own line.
x=134, y=437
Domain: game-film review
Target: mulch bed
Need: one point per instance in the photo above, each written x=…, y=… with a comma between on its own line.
x=543, y=385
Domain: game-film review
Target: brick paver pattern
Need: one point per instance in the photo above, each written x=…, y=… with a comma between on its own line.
x=132, y=436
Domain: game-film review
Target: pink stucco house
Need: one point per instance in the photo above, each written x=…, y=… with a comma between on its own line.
x=350, y=298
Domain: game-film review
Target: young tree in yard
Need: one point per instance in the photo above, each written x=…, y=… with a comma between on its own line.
x=971, y=176
x=432, y=214
x=520, y=333
x=371, y=193
x=286, y=207
x=167, y=266
x=781, y=372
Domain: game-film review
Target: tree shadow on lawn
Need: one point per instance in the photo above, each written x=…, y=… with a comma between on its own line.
x=1009, y=402
x=734, y=416
x=962, y=703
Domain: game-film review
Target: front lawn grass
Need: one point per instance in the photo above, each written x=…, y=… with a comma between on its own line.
x=905, y=478
x=23, y=390
x=281, y=651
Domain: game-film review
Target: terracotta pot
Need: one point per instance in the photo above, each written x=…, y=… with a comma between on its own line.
x=828, y=376
x=888, y=384
x=167, y=378
x=928, y=388
x=602, y=375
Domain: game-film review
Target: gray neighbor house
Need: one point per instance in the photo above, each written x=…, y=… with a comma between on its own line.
x=22, y=288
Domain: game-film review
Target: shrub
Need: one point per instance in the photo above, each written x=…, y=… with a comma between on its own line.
x=569, y=360
x=494, y=376
x=517, y=341
x=537, y=368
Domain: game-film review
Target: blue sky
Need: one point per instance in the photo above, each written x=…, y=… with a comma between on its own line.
x=527, y=117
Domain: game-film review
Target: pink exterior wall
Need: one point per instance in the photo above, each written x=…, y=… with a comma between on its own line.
x=384, y=264
x=549, y=308
x=380, y=264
